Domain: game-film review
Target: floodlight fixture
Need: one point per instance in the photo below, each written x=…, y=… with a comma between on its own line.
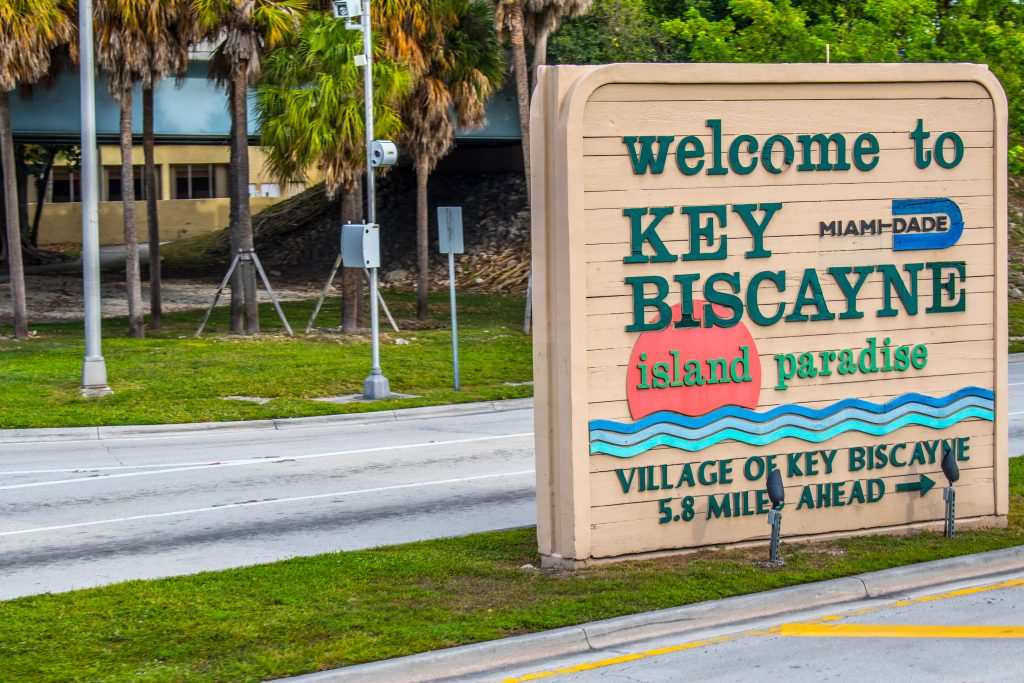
x=952, y=472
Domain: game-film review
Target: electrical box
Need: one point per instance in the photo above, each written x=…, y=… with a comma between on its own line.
x=383, y=153
x=346, y=9
x=360, y=245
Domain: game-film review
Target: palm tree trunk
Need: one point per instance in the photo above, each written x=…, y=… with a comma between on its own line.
x=540, y=51
x=41, y=184
x=240, y=154
x=22, y=177
x=351, y=278
x=131, y=235
x=14, y=263
x=518, y=43
x=422, y=240
x=523, y=100
x=153, y=220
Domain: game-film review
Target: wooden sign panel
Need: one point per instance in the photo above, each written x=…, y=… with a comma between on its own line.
x=742, y=268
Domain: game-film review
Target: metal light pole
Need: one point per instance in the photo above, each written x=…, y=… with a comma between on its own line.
x=376, y=385
x=94, y=368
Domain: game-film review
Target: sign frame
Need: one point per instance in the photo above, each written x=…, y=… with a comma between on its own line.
x=559, y=227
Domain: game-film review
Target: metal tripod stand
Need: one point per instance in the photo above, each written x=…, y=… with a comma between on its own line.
x=245, y=255
x=327, y=287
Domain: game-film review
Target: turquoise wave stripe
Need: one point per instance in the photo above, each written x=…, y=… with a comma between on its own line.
x=668, y=417
x=788, y=421
x=794, y=432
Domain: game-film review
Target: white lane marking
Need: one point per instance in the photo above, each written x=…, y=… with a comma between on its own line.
x=1019, y=412
x=231, y=431
x=253, y=503
x=188, y=467
x=1014, y=384
x=86, y=469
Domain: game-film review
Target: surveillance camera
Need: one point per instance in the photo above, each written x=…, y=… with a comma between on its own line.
x=346, y=9
x=383, y=153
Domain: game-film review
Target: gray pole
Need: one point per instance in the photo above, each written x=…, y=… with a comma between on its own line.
x=94, y=368
x=455, y=322
x=376, y=385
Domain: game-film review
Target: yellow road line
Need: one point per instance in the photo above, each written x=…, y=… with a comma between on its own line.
x=822, y=628
x=622, y=659
x=963, y=591
x=898, y=631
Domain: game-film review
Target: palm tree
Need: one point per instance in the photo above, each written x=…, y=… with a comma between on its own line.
x=123, y=50
x=464, y=68
x=174, y=32
x=508, y=18
x=310, y=107
x=245, y=28
x=29, y=31
x=543, y=17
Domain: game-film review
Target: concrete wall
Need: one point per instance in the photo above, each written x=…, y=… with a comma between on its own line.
x=62, y=223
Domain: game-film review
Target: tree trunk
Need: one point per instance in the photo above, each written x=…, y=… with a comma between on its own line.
x=422, y=241
x=518, y=43
x=523, y=100
x=14, y=264
x=133, y=280
x=155, y=303
x=41, y=184
x=22, y=176
x=240, y=152
x=237, y=322
x=351, y=278
x=540, y=52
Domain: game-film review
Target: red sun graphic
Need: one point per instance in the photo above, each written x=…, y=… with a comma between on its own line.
x=693, y=370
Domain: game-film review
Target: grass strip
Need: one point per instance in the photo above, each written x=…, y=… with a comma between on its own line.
x=171, y=377
x=339, y=609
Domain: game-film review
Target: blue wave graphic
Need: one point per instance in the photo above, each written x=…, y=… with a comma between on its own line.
x=814, y=425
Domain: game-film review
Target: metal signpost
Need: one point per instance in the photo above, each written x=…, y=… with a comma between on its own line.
x=94, y=368
x=378, y=153
x=449, y=239
x=376, y=385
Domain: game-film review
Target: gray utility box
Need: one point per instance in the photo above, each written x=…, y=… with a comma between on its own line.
x=360, y=245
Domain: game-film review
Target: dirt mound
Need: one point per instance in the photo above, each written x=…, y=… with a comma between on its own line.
x=299, y=236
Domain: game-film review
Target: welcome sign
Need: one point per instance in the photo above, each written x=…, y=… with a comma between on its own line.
x=744, y=268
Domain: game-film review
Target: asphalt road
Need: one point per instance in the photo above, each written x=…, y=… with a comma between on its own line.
x=75, y=514
x=1016, y=382
x=958, y=632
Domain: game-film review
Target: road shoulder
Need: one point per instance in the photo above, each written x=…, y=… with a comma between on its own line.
x=12, y=436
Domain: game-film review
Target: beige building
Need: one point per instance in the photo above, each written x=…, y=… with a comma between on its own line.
x=192, y=193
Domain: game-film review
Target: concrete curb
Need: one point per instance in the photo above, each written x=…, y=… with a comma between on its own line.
x=521, y=650
x=11, y=436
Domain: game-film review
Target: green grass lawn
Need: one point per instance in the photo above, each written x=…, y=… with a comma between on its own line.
x=1016, y=319
x=170, y=377
x=339, y=609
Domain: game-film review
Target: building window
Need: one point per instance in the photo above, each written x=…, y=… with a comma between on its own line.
x=199, y=181
x=113, y=175
x=65, y=185
x=265, y=190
